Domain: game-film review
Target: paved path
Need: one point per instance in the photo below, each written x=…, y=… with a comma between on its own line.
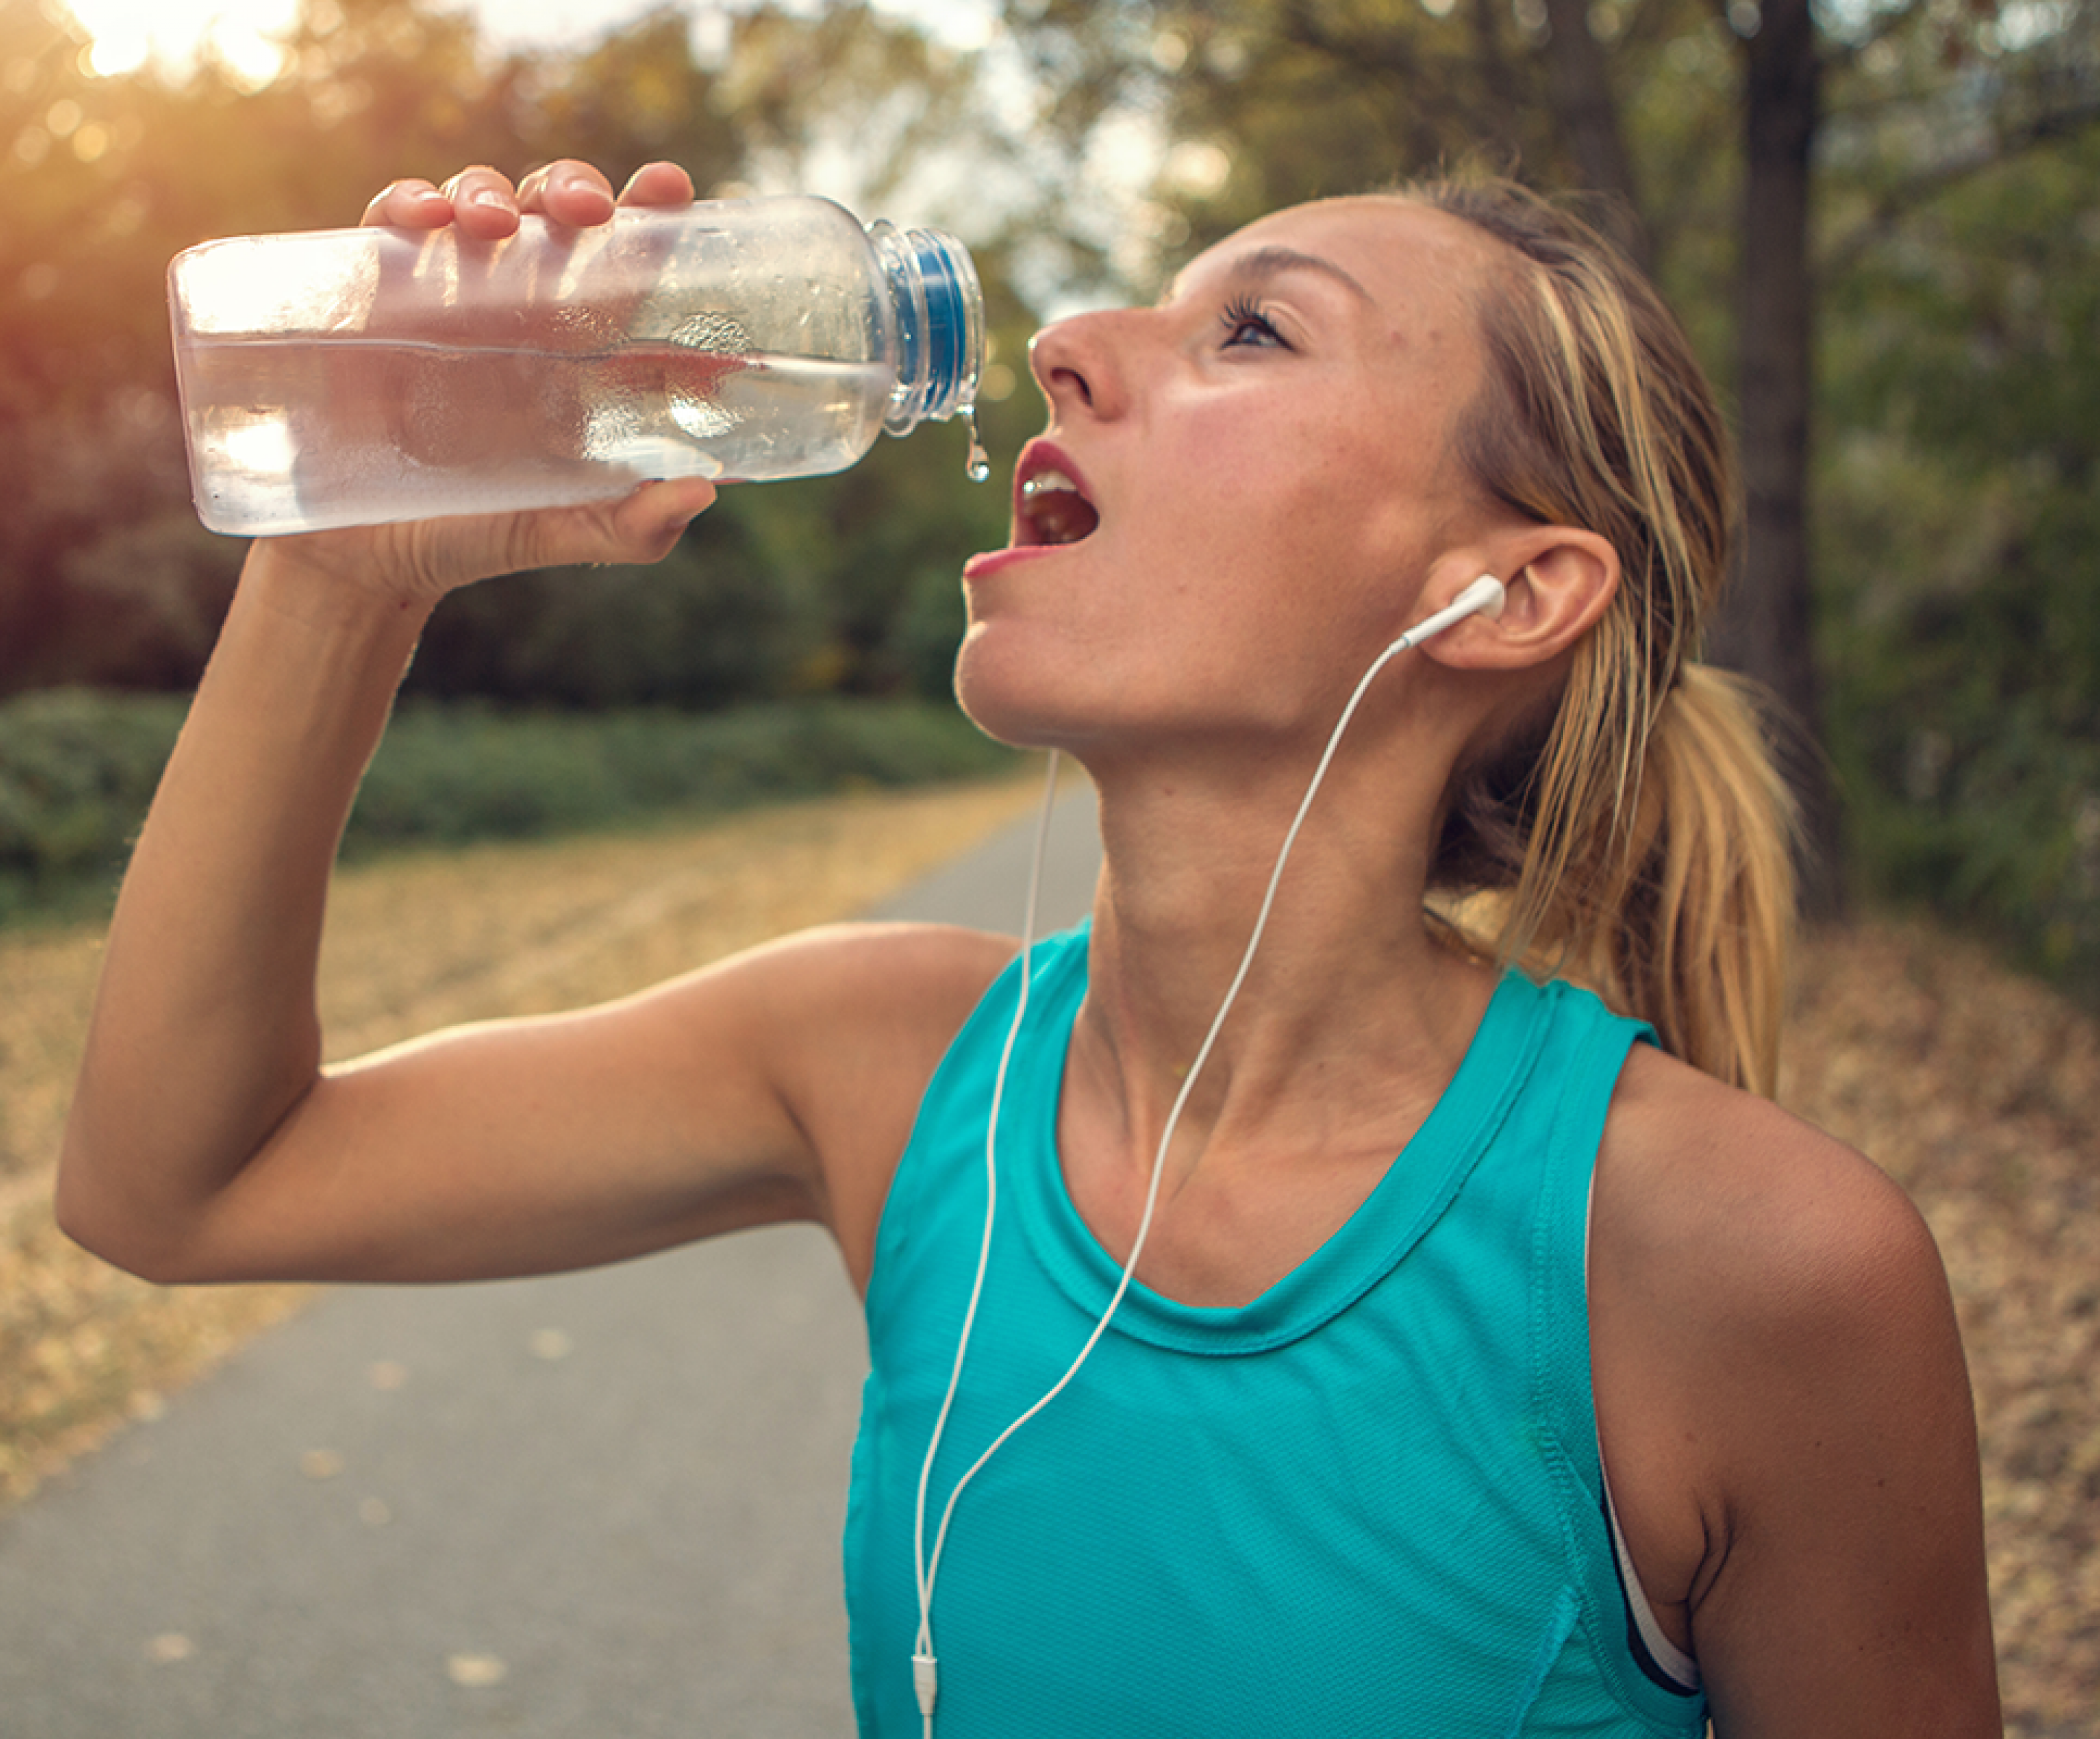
x=602, y=1506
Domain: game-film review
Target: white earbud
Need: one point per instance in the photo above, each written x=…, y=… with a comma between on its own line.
x=1485, y=597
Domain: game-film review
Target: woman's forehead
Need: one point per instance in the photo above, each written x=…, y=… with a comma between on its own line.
x=1386, y=247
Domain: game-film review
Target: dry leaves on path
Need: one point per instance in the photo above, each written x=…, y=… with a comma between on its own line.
x=1980, y=1091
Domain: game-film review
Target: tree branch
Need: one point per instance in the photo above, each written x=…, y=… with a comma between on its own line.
x=1896, y=202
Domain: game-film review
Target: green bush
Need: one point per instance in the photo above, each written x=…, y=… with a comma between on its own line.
x=709, y=626
x=77, y=768
x=448, y=773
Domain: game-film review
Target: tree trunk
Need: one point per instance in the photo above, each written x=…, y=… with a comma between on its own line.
x=1766, y=627
x=1589, y=118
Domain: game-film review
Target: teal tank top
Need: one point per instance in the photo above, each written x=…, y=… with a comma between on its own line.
x=1367, y=1504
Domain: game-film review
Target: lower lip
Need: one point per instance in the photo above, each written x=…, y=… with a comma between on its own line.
x=995, y=561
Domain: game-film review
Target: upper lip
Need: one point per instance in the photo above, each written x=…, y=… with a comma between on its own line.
x=1043, y=466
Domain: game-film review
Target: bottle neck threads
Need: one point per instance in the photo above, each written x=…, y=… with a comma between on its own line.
x=940, y=325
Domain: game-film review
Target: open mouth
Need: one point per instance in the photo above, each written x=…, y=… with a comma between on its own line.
x=1051, y=509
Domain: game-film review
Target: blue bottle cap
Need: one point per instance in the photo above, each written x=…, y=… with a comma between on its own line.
x=940, y=322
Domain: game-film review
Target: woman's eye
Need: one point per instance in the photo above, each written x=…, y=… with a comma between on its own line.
x=1247, y=324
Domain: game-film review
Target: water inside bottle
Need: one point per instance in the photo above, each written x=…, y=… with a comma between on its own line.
x=292, y=434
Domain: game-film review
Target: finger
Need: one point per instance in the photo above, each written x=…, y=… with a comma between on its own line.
x=658, y=184
x=568, y=192
x=484, y=204
x=409, y=205
x=647, y=524
x=643, y=526
x=655, y=186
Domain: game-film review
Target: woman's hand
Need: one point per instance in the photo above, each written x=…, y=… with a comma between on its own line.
x=416, y=563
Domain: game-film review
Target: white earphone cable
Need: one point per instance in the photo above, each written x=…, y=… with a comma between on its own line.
x=923, y=1668
x=1484, y=595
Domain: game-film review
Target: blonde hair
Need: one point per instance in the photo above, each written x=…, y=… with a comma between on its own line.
x=1638, y=839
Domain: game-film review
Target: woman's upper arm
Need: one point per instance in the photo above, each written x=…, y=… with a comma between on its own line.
x=1809, y=1414
x=777, y=1084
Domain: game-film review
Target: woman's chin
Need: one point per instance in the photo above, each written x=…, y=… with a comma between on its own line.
x=1006, y=711
x=1016, y=727
x=985, y=692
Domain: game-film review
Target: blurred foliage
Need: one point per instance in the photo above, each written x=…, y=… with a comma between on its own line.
x=77, y=770
x=1960, y=554
x=445, y=775
x=78, y=766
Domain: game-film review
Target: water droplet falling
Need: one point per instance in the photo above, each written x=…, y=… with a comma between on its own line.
x=979, y=465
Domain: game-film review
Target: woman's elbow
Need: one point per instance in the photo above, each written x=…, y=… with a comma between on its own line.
x=119, y=1232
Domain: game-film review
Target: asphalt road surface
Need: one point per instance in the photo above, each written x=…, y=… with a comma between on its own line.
x=599, y=1505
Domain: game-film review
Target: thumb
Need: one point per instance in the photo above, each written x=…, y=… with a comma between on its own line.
x=641, y=527
x=648, y=523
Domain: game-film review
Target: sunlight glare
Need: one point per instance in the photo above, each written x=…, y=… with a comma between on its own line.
x=240, y=34
x=263, y=448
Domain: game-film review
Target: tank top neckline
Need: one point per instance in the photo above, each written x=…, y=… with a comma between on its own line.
x=1417, y=1188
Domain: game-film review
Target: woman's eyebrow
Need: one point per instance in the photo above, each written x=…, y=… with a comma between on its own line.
x=1274, y=261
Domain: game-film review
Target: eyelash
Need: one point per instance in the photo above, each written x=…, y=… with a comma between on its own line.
x=1243, y=312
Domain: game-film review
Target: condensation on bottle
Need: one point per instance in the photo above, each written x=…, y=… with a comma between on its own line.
x=360, y=377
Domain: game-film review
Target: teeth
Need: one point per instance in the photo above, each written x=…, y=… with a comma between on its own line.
x=1054, y=509
x=1044, y=483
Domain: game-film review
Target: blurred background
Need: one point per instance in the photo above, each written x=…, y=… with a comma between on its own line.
x=1881, y=218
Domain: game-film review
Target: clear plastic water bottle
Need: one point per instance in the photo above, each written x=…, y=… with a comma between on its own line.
x=356, y=376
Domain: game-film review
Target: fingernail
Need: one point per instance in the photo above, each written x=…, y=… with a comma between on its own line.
x=580, y=188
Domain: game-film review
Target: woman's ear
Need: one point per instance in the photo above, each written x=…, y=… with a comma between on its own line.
x=1557, y=581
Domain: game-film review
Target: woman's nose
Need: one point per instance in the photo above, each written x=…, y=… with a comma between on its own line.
x=1075, y=363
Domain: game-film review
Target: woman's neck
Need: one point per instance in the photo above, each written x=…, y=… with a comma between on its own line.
x=1352, y=1017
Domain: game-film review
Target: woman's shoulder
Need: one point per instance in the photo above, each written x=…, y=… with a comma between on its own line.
x=1760, y=1294
x=1747, y=1269
x=868, y=1009
x=870, y=960
x=1783, y=1407
x=1740, y=1191
x=860, y=1016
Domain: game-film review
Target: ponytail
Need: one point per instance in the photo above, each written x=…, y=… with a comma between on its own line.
x=1638, y=839
x=1712, y=874
x=1696, y=909
x=1677, y=909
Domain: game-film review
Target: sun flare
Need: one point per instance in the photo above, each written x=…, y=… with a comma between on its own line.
x=241, y=34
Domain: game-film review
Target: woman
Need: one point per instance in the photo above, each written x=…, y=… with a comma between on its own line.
x=1617, y=1395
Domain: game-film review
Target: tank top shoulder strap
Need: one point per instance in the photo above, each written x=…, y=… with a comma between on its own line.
x=1591, y=1044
